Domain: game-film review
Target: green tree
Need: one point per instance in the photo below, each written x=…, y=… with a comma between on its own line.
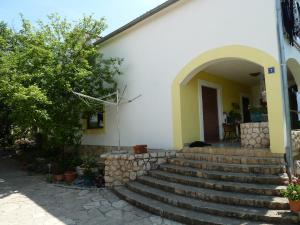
x=41, y=65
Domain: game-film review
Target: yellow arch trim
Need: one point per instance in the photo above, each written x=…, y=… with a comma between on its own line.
x=273, y=86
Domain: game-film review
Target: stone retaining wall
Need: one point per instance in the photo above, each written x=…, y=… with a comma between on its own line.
x=122, y=168
x=255, y=135
x=296, y=150
x=296, y=143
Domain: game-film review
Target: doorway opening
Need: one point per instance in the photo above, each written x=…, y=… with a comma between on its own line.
x=245, y=109
x=210, y=114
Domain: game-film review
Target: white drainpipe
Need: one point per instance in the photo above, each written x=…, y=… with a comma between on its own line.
x=284, y=84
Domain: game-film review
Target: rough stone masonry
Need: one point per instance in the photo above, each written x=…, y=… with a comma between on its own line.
x=122, y=168
x=255, y=135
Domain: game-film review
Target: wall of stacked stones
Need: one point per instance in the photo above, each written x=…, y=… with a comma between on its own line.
x=255, y=135
x=296, y=142
x=122, y=168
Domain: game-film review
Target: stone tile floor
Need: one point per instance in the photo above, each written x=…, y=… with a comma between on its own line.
x=29, y=200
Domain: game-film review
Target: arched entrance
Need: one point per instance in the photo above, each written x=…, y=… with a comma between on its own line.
x=270, y=67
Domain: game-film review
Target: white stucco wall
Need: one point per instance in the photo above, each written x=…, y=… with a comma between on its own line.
x=155, y=51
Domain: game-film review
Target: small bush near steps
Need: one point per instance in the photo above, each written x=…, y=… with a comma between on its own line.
x=292, y=193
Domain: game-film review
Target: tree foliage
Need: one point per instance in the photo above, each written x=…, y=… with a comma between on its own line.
x=41, y=65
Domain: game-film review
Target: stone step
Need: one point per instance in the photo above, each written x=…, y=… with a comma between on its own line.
x=219, y=175
x=263, y=189
x=237, y=159
x=271, y=202
x=175, y=213
x=247, y=213
x=233, y=168
x=232, y=151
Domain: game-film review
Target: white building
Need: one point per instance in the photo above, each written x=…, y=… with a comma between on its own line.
x=191, y=60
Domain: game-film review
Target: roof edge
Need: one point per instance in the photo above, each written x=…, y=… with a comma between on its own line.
x=137, y=20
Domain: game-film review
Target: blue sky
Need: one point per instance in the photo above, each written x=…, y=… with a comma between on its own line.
x=116, y=12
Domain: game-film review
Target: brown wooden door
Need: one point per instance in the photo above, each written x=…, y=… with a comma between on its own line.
x=210, y=114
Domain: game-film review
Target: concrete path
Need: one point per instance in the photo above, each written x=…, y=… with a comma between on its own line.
x=29, y=200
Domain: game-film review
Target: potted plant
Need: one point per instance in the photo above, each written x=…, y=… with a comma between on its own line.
x=87, y=163
x=70, y=176
x=57, y=171
x=89, y=169
x=292, y=193
x=234, y=117
x=258, y=114
x=88, y=177
x=140, y=149
x=71, y=161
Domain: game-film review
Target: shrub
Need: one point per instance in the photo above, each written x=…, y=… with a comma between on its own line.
x=292, y=192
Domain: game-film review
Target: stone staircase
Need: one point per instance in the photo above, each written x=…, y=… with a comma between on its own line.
x=215, y=186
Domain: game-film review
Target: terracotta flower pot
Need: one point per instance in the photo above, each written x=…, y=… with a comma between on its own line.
x=295, y=206
x=140, y=149
x=70, y=176
x=58, y=177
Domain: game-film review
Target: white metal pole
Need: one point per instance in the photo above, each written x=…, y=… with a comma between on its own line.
x=284, y=85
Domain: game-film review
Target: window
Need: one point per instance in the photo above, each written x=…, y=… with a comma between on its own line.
x=95, y=121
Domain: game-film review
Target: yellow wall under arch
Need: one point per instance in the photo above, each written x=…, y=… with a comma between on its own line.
x=294, y=67
x=189, y=95
x=273, y=88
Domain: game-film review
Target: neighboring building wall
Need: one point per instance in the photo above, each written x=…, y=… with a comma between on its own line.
x=190, y=101
x=156, y=50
